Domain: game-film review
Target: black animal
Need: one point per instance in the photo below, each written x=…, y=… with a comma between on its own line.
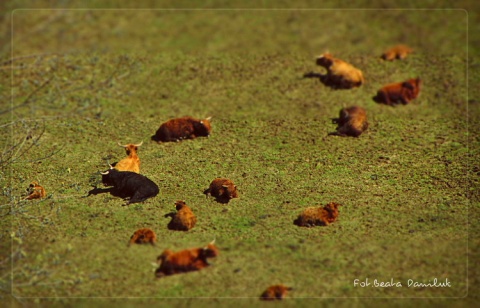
x=127, y=184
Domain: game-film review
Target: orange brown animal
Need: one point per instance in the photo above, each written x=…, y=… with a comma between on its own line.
x=400, y=92
x=35, y=191
x=352, y=121
x=340, y=74
x=132, y=161
x=275, y=292
x=222, y=189
x=143, y=236
x=183, y=128
x=185, y=260
x=397, y=52
x=183, y=219
x=318, y=216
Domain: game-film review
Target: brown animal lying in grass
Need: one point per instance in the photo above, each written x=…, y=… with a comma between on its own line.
x=318, y=216
x=132, y=162
x=143, y=236
x=222, y=189
x=183, y=128
x=183, y=219
x=275, y=292
x=352, y=121
x=340, y=74
x=397, y=52
x=35, y=191
x=401, y=92
x=185, y=261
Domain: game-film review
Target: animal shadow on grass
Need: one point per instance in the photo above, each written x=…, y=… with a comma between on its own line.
x=113, y=192
x=96, y=191
x=323, y=78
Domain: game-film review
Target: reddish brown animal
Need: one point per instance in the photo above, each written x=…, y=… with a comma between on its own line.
x=35, y=191
x=340, y=74
x=276, y=292
x=318, y=216
x=222, y=189
x=132, y=162
x=352, y=121
x=401, y=92
x=183, y=128
x=185, y=261
x=143, y=236
x=397, y=52
x=183, y=219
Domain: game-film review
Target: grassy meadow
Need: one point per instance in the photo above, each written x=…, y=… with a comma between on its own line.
x=77, y=82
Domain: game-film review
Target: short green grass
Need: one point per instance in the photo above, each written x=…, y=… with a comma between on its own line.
x=406, y=184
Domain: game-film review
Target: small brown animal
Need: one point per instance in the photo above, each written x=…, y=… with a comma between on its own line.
x=35, y=191
x=185, y=261
x=222, y=189
x=340, y=74
x=401, y=92
x=318, y=216
x=132, y=162
x=183, y=219
x=352, y=121
x=275, y=292
x=397, y=52
x=183, y=128
x=143, y=236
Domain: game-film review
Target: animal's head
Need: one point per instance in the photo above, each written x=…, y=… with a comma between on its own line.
x=165, y=254
x=180, y=204
x=131, y=147
x=107, y=176
x=418, y=83
x=210, y=251
x=332, y=207
x=137, y=237
x=281, y=290
x=32, y=186
x=203, y=127
x=414, y=85
x=325, y=60
x=230, y=190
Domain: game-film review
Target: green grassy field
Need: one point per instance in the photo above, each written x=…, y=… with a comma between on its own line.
x=83, y=80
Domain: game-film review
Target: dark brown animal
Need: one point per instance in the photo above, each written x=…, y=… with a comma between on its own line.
x=132, y=162
x=318, y=216
x=352, y=121
x=397, y=52
x=183, y=128
x=222, y=189
x=185, y=261
x=143, y=236
x=340, y=74
x=275, y=292
x=401, y=92
x=35, y=191
x=183, y=219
